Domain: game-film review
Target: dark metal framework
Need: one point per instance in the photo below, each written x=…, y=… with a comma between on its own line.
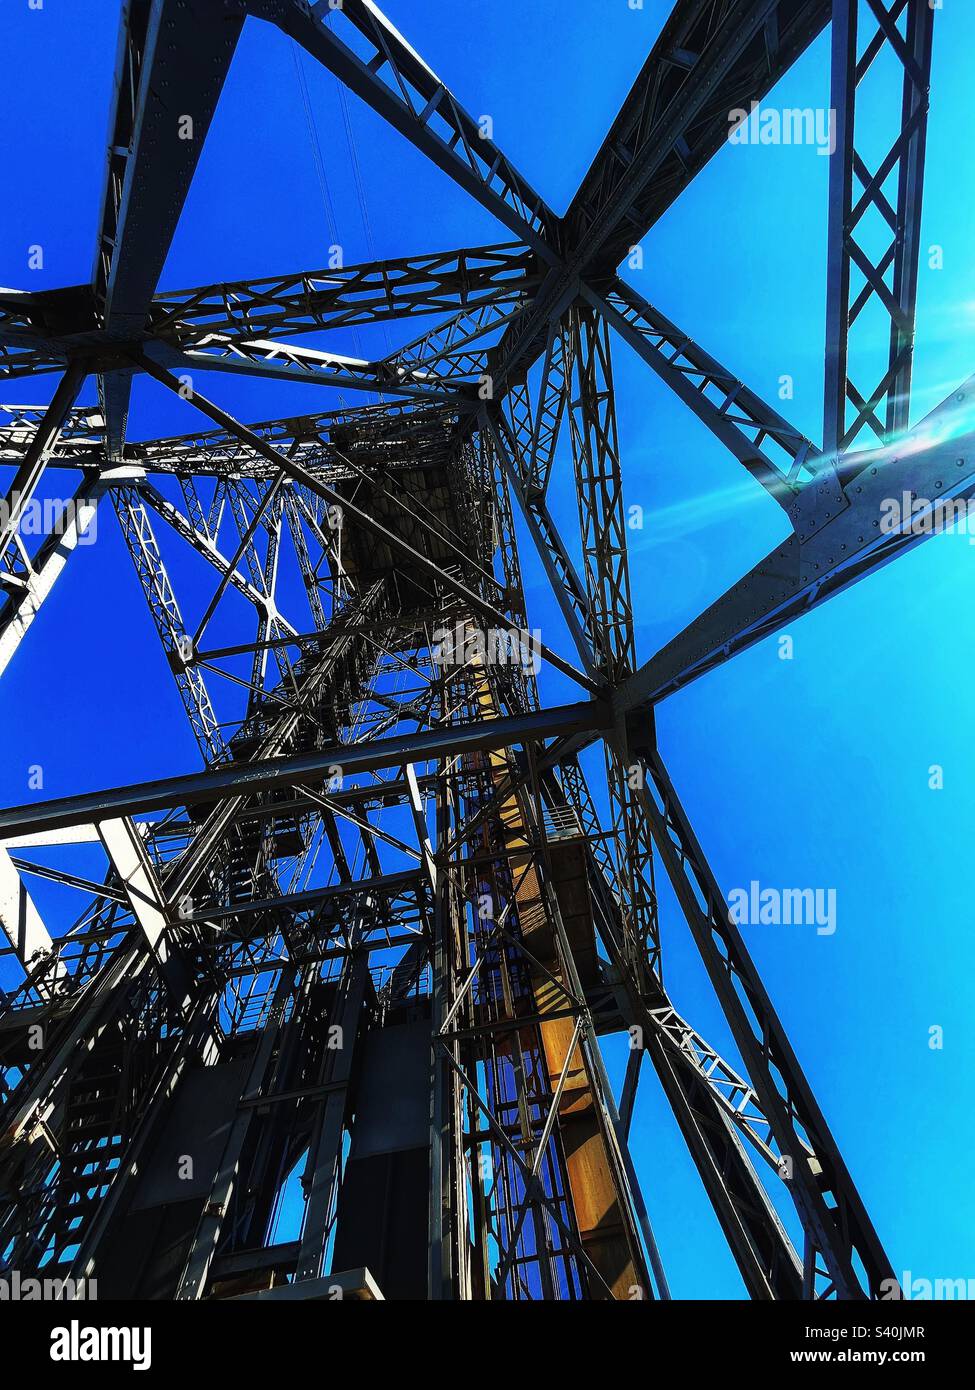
x=361, y=962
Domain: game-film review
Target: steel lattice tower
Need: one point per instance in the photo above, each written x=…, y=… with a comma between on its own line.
x=374, y=943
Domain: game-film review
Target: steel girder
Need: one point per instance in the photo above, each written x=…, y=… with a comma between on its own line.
x=82, y=426
x=142, y=545
x=291, y=362
x=599, y=487
x=425, y=429
x=172, y=62
x=569, y=588
x=347, y=297
x=602, y=525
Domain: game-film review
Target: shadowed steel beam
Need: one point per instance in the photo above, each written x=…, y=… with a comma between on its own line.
x=58, y=322
x=18, y=318
x=315, y=300
x=213, y=1213
x=599, y=490
x=114, y=390
x=81, y=433
x=566, y=584
x=325, y=1152
x=217, y=452
x=288, y=362
x=843, y=40
x=23, y=360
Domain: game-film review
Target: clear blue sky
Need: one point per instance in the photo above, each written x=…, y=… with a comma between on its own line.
x=809, y=773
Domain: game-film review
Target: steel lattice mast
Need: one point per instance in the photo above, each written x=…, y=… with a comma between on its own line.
x=375, y=941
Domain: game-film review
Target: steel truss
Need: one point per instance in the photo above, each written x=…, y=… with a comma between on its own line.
x=391, y=879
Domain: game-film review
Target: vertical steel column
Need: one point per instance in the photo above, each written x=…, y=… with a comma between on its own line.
x=891, y=279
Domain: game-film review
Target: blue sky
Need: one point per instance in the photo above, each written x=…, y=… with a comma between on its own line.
x=811, y=772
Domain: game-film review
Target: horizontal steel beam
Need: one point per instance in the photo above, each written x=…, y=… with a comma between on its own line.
x=56, y=323
x=419, y=430
x=314, y=301
x=586, y=717
x=289, y=362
